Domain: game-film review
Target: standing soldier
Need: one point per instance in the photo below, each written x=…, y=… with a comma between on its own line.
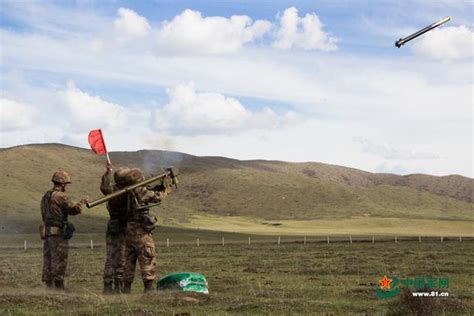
x=115, y=235
x=55, y=208
x=139, y=245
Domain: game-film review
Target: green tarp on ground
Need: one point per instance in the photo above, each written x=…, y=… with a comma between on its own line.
x=184, y=281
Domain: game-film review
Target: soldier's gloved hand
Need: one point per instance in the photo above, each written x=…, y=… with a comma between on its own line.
x=109, y=166
x=167, y=181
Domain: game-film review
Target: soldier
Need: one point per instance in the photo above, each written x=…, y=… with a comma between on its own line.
x=115, y=235
x=139, y=245
x=55, y=208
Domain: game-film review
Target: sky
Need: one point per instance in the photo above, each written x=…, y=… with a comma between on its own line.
x=279, y=80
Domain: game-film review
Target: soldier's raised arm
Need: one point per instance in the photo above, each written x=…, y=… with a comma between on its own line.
x=67, y=205
x=148, y=196
x=143, y=194
x=106, y=186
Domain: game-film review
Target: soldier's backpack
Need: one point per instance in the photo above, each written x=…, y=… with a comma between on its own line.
x=45, y=203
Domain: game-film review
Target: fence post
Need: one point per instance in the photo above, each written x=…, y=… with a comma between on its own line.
x=304, y=240
x=249, y=241
x=419, y=238
x=223, y=241
x=328, y=239
x=441, y=238
x=396, y=239
x=197, y=242
x=279, y=240
x=25, y=245
x=92, y=244
x=350, y=239
x=460, y=238
x=167, y=242
x=373, y=239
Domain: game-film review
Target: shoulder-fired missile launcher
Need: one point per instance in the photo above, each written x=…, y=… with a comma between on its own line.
x=169, y=177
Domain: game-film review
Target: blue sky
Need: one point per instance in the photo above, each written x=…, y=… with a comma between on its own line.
x=286, y=80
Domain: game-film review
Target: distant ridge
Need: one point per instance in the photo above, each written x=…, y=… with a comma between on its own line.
x=260, y=189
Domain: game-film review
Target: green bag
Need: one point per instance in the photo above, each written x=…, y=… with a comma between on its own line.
x=184, y=281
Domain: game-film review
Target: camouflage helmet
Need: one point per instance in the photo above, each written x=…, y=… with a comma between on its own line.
x=135, y=175
x=61, y=177
x=120, y=175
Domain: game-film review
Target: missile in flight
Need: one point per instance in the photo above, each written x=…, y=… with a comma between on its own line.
x=402, y=41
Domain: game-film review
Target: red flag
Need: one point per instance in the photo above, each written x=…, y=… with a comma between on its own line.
x=96, y=140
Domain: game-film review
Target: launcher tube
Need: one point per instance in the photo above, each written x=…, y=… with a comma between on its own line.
x=125, y=190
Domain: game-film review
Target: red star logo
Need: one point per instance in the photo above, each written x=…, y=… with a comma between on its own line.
x=385, y=282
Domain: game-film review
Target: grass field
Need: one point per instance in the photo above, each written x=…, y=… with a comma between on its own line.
x=337, y=278
x=355, y=226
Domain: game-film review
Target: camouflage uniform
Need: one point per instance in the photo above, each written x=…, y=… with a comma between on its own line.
x=138, y=238
x=115, y=235
x=55, y=208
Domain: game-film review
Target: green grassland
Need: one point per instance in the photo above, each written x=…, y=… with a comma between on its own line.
x=217, y=193
x=350, y=226
x=290, y=278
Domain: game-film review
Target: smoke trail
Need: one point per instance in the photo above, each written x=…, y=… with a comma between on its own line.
x=161, y=155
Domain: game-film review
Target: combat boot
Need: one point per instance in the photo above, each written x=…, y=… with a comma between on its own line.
x=118, y=284
x=59, y=285
x=126, y=287
x=49, y=284
x=148, y=284
x=107, y=288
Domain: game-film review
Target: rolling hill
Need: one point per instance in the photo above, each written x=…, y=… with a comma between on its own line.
x=217, y=191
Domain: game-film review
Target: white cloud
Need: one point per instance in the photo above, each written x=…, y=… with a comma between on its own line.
x=390, y=152
x=15, y=115
x=90, y=111
x=306, y=32
x=38, y=134
x=447, y=43
x=191, y=33
x=129, y=24
x=191, y=113
x=396, y=168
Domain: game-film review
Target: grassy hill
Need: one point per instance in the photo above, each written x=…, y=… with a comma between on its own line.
x=217, y=191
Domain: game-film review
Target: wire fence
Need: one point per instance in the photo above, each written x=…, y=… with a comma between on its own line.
x=254, y=240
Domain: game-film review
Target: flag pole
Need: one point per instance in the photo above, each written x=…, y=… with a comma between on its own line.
x=105, y=147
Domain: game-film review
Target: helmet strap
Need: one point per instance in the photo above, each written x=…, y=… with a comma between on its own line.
x=61, y=186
